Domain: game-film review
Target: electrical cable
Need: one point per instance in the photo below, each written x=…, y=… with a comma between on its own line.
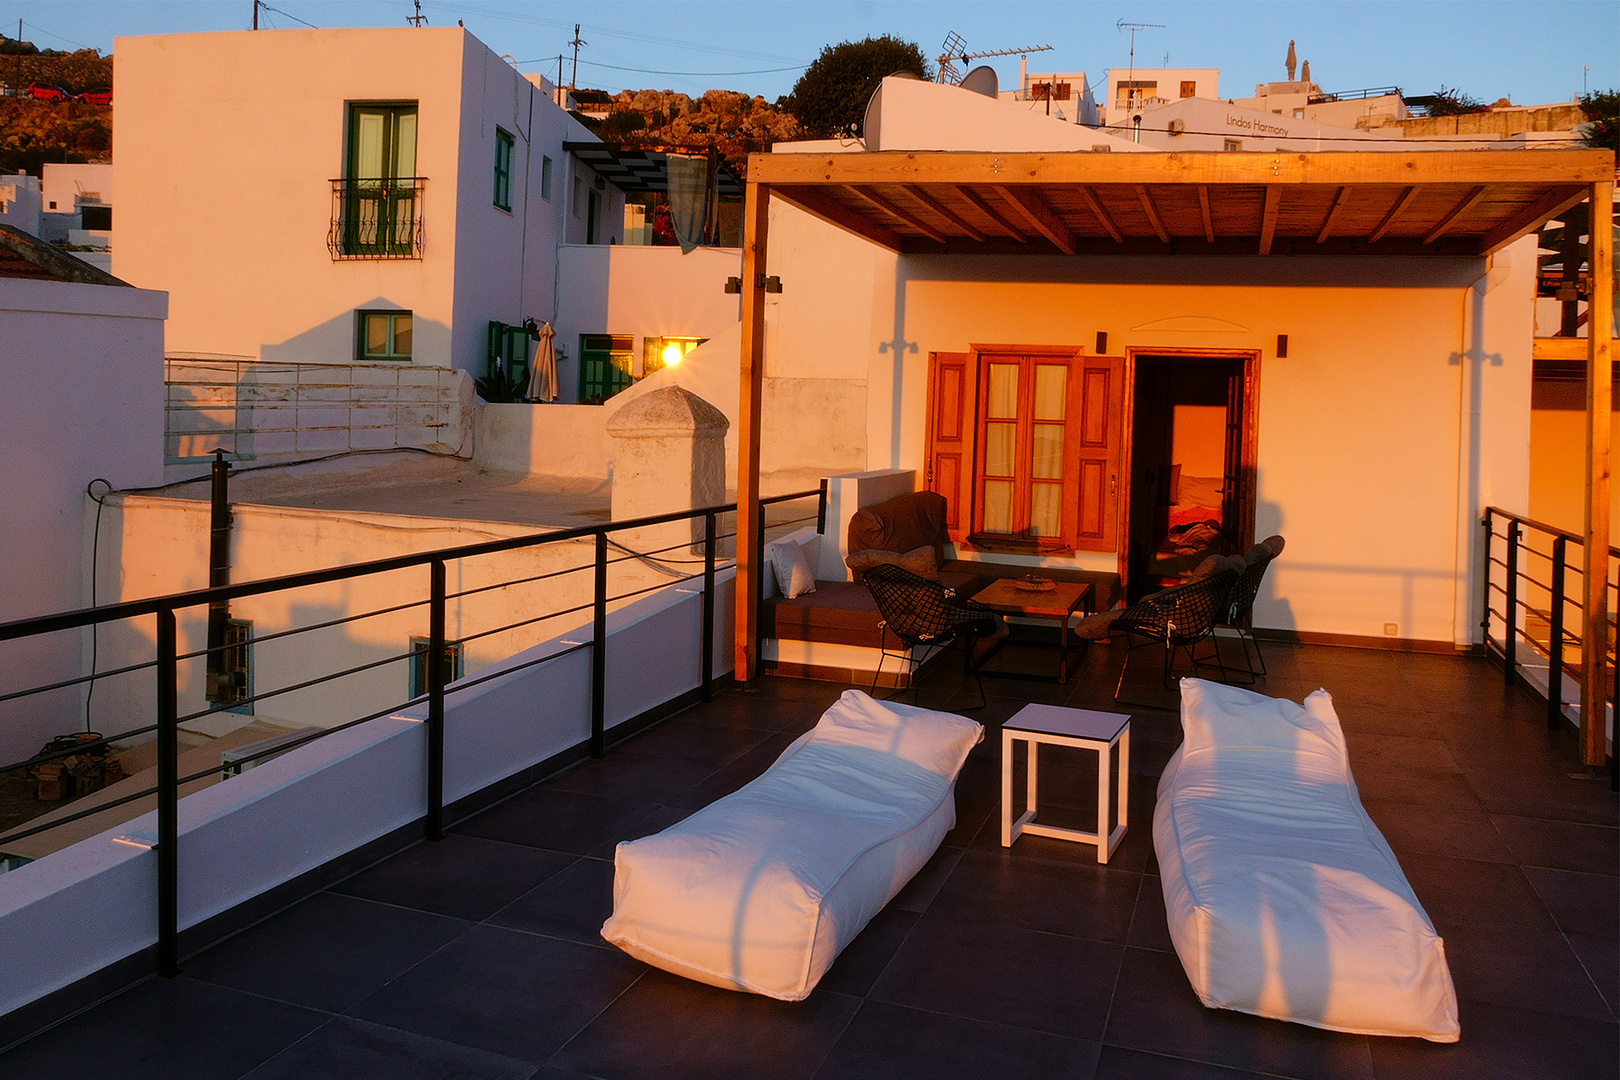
x=694, y=74
x=95, y=563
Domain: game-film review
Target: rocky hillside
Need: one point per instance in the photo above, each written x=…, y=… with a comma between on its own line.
x=734, y=123
x=34, y=132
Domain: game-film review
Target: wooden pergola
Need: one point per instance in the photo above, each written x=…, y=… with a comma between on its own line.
x=1361, y=204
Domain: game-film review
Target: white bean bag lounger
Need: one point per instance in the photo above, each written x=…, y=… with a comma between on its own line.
x=1284, y=899
x=760, y=890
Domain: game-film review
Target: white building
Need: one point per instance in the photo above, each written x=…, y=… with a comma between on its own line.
x=1132, y=89
x=20, y=202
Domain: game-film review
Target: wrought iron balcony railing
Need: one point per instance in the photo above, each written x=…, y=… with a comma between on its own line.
x=376, y=219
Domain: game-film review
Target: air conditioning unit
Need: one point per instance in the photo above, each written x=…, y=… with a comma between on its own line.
x=1176, y=127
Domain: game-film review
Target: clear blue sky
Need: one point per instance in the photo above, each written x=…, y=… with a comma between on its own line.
x=1530, y=52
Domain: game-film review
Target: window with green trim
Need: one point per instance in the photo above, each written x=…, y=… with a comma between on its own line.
x=385, y=335
x=545, y=178
x=503, y=169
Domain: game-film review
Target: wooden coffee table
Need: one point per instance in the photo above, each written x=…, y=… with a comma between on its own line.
x=1059, y=604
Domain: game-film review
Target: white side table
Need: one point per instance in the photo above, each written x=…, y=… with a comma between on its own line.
x=1099, y=731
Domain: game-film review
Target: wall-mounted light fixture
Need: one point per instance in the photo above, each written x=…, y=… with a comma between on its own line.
x=1282, y=346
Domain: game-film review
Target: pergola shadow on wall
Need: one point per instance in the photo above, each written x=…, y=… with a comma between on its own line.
x=1362, y=204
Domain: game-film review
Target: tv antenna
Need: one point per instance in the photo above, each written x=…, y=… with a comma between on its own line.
x=1133, y=27
x=573, y=79
x=954, y=51
x=418, y=19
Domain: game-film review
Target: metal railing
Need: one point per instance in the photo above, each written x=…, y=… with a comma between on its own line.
x=167, y=659
x=1537, y=613
x=376, y=219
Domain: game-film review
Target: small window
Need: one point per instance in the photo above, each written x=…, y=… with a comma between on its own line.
x=593, y=219
x=385, y=335
x=230, y=678
x=419, y=670
x=580, y=188
x=662, y=352
x=503, y=170
x=1189, y=88
x=545, y=178
x=1233, y=144
x=95, y=218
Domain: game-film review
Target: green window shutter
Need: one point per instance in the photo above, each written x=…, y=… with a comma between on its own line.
x=495, y=348
x=517, y=351
x=503, y=169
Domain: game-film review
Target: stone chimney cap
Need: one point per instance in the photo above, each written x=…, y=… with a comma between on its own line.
x=672, y=410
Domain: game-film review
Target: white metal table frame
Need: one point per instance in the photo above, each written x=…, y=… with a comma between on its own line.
x=1035, y=735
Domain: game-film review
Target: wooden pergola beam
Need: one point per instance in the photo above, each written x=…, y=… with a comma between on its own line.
x=989, y=211
x=1040, y=216
x=1530, y=219
x=922, y=196
x=1456, y=212
x=1268, y=217
x=1203, y=210
x=1599, y=387
x=1146, y=197
x=819, y=204
x=756, y=220
x=1101, y=215
x=873, y=199
x=1389, y=219
x=1340, y=197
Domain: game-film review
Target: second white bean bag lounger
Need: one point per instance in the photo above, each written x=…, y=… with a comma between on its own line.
x=760, y=890
x=1284, y=900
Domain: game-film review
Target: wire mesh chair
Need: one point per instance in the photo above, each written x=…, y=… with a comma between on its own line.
x=1180, y=618
x=921, y=613
x=1239, y=602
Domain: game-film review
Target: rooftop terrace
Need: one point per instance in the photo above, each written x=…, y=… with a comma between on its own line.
x=479, y=956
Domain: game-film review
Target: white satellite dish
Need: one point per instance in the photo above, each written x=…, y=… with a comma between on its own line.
x=870, y=133
x=981, y=80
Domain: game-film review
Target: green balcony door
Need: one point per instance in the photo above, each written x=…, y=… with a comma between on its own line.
x=380, y=215
x=604, y=366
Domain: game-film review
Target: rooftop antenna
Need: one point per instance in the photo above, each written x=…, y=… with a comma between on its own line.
x=573, y=80
x=1133, y=27
x=954, y=51
x=418, y=19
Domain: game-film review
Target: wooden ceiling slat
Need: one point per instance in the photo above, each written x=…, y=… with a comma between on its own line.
x=1389, y=219
x=1203, y=209
x=871, y=198
x=1268, y=218
x=1527, y=220
x=922, y=196
x=1100, y=214
x=983, y=204
x=1457, y=211
x=1039, y=215
x=1152, y=212
x=817, y=203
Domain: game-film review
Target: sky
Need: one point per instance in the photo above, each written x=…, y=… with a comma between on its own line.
x=1529, y=52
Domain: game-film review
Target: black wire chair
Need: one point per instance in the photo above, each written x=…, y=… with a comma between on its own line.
x=1239, y=602
x=1180, y=618
x=922, y=614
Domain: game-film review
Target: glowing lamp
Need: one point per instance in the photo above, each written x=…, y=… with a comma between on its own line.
x=672, y=354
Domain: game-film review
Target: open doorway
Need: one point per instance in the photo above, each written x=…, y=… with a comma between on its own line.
x=1192, y=465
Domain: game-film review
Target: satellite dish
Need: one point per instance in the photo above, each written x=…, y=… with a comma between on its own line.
x=870, y=122
x=905, y=75
x=981, y=80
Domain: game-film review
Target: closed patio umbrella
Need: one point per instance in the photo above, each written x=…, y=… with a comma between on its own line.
x=543, y=373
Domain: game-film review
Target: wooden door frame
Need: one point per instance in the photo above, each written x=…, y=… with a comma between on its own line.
x=1247, y=478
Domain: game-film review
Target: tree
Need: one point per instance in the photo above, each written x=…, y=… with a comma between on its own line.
x=1454, y=102
x=831, y=96
x=1602, y=130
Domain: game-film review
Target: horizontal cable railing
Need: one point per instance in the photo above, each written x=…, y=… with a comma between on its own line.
x=1535, y=612
x=167, y=659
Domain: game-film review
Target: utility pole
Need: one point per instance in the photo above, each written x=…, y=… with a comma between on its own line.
x=573, y=81
x=255, y=15
x=418, y=19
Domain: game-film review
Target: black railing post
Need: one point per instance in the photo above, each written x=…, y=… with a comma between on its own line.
x=1485, y=591
x=1511, y=605
x=168, y=796
x=599, y=653
x=435, y=681
x=1555, y=638
x=821, y=510
x=707, y=650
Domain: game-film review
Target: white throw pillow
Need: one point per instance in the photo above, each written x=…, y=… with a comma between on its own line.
x=793, y=574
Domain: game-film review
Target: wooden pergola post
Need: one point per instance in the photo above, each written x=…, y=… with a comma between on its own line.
x=756, y=214
x=1595, y=579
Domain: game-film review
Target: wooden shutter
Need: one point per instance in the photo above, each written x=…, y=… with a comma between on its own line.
x=1098, y=435
x=951, y=423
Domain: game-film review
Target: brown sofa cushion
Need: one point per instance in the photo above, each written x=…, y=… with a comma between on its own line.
x=901, y=524
x=837, y=613
x=919, y=560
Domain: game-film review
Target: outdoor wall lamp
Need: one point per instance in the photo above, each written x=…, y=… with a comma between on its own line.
x=772, y=284
x=1282, y=346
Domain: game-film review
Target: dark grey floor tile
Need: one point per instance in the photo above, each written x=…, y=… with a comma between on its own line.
x=864, y=959
x=920, y=891
x=1458, y=832
x=328, y=952
x=1462, y=892
x=733, y=775
x=1489, y=963
x=1002, y=974
x=1500, y=1043
x=1504, y=790
x=547, y=817
x=1371, y=750
x=501, y=990
x=357, y=1050
x=1118, y=1063
x=887, y=1042
x=1431, y=790
x=1150, y=926
x=572, y=905
x=466, y=877
x=689, y=738
x=657, y=820
x=1155, y=1010
x=1561, y=845
x=1058, y=898
x=635, y=777
x=669, y=1028
x=164, y=1029
x=1581, y=903
x=1600, y=956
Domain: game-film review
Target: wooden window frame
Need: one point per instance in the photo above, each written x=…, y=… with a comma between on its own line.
x=389, y=353
x=418, y=670
x=1023, y=482
x=504, y=144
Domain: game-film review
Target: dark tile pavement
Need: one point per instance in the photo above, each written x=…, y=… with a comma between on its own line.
x=479, y=956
